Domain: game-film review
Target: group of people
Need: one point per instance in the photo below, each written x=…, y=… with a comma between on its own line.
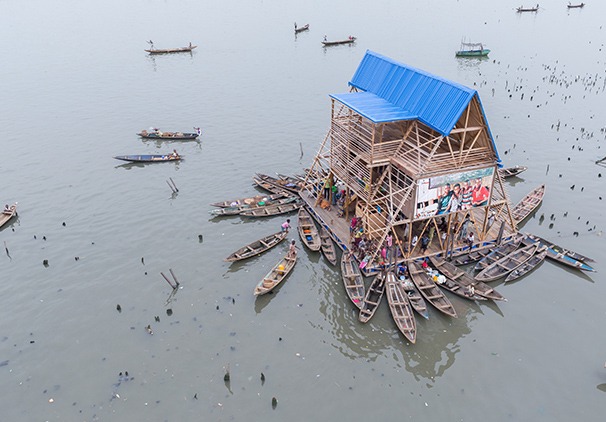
x=7, y=210
x=462, y=196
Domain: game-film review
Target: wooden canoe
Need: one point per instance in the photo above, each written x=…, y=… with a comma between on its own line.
x=373, y=297
x=454, y=286
x=400, y=307
x=561, y=255
x=575, y=6
x=499, y=252
x=350, y=40
x=8, y=214
x=257, y=247
x=149, y=158
x=429, y=290
x=465, y=280
x=328, y=247
x=415, y=298
x=522, y=9
x=473, y=256
x=270, y=187
x=507, y=264
x=308, y=231
x=528, y=204
x=511, y=171
x=276, y=275
x=572, y=254
x=187, y=49
x=529, y=266
x=247, y=201
x=272, y=210
x=175, y=136
x=289, y=183
x=299, y=29
x=239, y=208
x=352, y=279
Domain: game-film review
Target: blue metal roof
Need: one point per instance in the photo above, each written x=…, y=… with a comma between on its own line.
x=405, y=93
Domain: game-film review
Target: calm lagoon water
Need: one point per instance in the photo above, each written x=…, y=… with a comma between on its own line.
x=76, y=86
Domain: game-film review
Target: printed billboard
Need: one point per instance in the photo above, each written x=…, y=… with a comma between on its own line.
x=453, y=192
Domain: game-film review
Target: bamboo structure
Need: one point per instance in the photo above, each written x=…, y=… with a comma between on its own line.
x=386, y=166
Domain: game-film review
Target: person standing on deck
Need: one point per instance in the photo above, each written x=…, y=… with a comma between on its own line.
x=424, y=243
x=464, y=227
x=327, y=189
x=470, y=240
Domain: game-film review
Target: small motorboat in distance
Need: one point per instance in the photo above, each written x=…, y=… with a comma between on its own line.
x=522, y=9
x=471, y=49
x=511, y=171
x=575, y=6
x=153, y=50
x=177, y=136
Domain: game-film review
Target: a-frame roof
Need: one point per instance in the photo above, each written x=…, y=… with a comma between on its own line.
x=394, y=91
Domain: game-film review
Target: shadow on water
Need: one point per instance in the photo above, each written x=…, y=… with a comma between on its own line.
x=601, y=387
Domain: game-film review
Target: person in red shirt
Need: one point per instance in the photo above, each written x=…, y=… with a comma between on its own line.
x=480, y=194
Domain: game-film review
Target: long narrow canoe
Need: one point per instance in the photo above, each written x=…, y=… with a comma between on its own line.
x=270, y=187
x=480, y=253
x=400, y=308
x=276, y=275
x=352, y=279
x=8, y=214
x=247, y=201
x=257, y=247
x=350, y=40
x=466, y=281
x=175, y=136
x=272, y=210
x=499, y=252
x=430, y=291
x=308, y=231
x=530, y=265
x=149, y=158
x=560, y=255
x=289, y=183
x=239, y=208
x=415, y=298
x=299, y=29
x=528, y=204
x=328, y=247
x=511, y=171
x=373, y=297
x=171, y=50
x=507, y=264
x=567, y=252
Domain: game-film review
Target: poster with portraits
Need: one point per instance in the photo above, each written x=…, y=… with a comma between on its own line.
x=453, y=192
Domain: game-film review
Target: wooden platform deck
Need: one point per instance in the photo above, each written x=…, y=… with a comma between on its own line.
x=338, y=228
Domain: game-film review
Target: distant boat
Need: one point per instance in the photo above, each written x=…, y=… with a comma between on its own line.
x=511, y=171
x=575, y=6
x=149, y=158
x=349, y=40
x=158, y=134
x=7, y=214
x=522, y=9
x=469, y=49
x=153, y=50
x=301, y=28
x=528, y=204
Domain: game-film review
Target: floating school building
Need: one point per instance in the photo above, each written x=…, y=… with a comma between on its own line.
x=415, y=158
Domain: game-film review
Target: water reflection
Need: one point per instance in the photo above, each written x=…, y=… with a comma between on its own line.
x=437, y=338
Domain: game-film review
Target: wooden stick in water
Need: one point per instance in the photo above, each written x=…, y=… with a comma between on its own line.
x=175, y=278
x=168, y=281
x=170, y=186
x=176, y=188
